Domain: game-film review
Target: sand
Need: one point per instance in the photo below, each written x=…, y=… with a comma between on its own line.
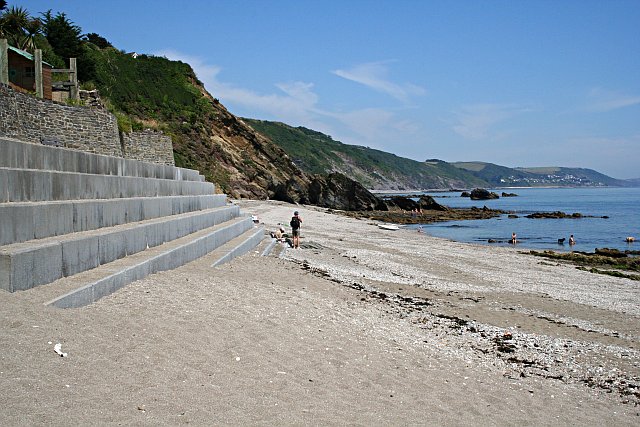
x=359, y=327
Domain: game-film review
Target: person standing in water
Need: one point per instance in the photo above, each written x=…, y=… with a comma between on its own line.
x=514, y=240
x=296, y=222
x=572, y=241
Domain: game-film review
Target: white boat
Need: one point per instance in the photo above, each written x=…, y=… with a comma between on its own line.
x=388, y=227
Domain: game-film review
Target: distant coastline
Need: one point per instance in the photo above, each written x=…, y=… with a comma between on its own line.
x=447, y=190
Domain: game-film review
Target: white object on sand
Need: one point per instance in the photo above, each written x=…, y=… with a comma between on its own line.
x=58, y=349
x=388, y=227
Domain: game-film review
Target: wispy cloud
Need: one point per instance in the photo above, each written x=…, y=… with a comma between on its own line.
x=477, y=121
x=615, y=156
x=367, y=123
x=374, y=75
x=601, y=100
x=296, y=103
x=612, y=145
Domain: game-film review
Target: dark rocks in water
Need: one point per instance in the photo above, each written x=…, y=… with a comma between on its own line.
x=407, y=204
x=465, y=194
x=612, y=253
x=428, y=203
x=512, y=216
x=482, y=194
x=554, y=215
x=426, y=216
x=509, y=194
x=336, y=191
x=401, y=202
x=492, y=241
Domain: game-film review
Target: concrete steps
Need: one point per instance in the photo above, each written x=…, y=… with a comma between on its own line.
x=87, y=287
x=34, y=185
x=85, y=224
x=38, y=220
x=36, y=262
x=19, y=155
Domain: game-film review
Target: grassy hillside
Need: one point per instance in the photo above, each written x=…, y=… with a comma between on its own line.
x=501, y=176
x=316, y=152
x=587, y=177
x=496, y=175
x=154, y=92
x=149, y=88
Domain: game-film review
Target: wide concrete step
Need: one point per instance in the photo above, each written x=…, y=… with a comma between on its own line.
x=238, y=246
x=23, y=155
x=272, y=248
x=37, y=262
x=233, y=237
x=31, y=185
x=23, y=221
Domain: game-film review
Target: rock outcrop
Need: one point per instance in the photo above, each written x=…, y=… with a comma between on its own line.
x=408, y=204
x=428, y=203
x=554, y=215
x=402, y=203
x=482, y=194
x=336, y=191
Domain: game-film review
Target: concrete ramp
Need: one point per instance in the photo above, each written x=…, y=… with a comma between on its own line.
x=83, y=225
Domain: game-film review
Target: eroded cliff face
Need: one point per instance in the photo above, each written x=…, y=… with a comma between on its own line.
x=242, y=162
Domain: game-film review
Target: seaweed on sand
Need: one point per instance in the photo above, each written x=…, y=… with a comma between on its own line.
x=603, y=261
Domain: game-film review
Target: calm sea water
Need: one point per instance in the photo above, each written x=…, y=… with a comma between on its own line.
x=621, y=205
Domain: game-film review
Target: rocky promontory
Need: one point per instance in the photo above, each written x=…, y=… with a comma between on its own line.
x=561, y=215
x=426, y=216
x=482, y=194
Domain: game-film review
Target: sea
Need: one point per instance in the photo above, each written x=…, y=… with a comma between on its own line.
x=621, y=206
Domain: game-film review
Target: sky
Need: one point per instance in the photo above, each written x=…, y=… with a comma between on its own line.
x=518, y=83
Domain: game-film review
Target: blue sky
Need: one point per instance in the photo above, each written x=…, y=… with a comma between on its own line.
x=517, y=83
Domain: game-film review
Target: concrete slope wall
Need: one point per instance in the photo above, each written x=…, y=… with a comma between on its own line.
x=20, y=155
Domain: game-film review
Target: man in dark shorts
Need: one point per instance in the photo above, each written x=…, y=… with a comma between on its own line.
x=295, y=223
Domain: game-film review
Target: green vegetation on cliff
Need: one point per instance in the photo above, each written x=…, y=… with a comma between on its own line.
x=149, y=87
x=501, y=176
x=316, y=152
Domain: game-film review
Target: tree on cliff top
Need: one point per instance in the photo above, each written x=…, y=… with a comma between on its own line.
x=65, y=38
x=62, y=34
x=97, y=40
x=19, y=28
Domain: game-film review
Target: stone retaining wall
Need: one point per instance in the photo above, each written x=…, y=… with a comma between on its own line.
x=95, y=130
x=148, y=146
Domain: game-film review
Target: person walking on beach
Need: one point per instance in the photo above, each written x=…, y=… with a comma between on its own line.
x=296, y=222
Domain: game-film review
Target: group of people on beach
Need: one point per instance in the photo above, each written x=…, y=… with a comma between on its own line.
x=572, y=240
x=281, y=236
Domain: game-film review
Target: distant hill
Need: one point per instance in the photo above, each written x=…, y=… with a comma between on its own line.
x=501, y=176
x=315, y=152
x=634, y=182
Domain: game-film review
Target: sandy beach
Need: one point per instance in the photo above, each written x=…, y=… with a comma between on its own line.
x=360, y=326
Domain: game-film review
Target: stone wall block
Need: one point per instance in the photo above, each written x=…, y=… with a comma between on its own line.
x=93, y=130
